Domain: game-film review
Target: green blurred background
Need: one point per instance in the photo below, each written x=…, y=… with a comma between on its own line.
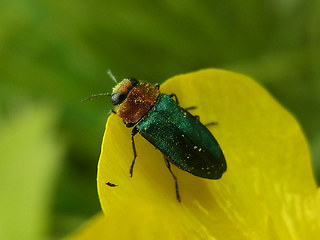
x=55, y=53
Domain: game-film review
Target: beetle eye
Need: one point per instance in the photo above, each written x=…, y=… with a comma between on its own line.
x=118, y=98
x=134, y=82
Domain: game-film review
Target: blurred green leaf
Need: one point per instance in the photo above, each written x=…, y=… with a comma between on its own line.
x=31, y=155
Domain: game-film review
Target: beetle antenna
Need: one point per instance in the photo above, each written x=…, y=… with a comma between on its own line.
x=112, y=76
x=95, y=96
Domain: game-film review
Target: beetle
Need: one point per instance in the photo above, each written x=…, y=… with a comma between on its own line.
x=180, y=136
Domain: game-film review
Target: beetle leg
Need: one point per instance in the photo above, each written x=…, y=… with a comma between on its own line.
x=208, y=124
x=128, y=125
x=175, y=97
x=174, y=177
x=190, y=108
x=133, y=133
x=211, y=123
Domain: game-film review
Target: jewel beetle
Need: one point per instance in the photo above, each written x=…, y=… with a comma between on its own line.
x=180, y=136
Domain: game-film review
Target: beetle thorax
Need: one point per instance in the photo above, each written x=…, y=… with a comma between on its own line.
x=138, y=102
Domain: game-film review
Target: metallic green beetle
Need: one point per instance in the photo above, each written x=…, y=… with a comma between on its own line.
x=180, y=136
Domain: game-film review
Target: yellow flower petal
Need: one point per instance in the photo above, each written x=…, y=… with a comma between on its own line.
x=268, y=191
x=93, y=229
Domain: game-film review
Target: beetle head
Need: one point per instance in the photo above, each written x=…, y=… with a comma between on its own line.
x=122, y=89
